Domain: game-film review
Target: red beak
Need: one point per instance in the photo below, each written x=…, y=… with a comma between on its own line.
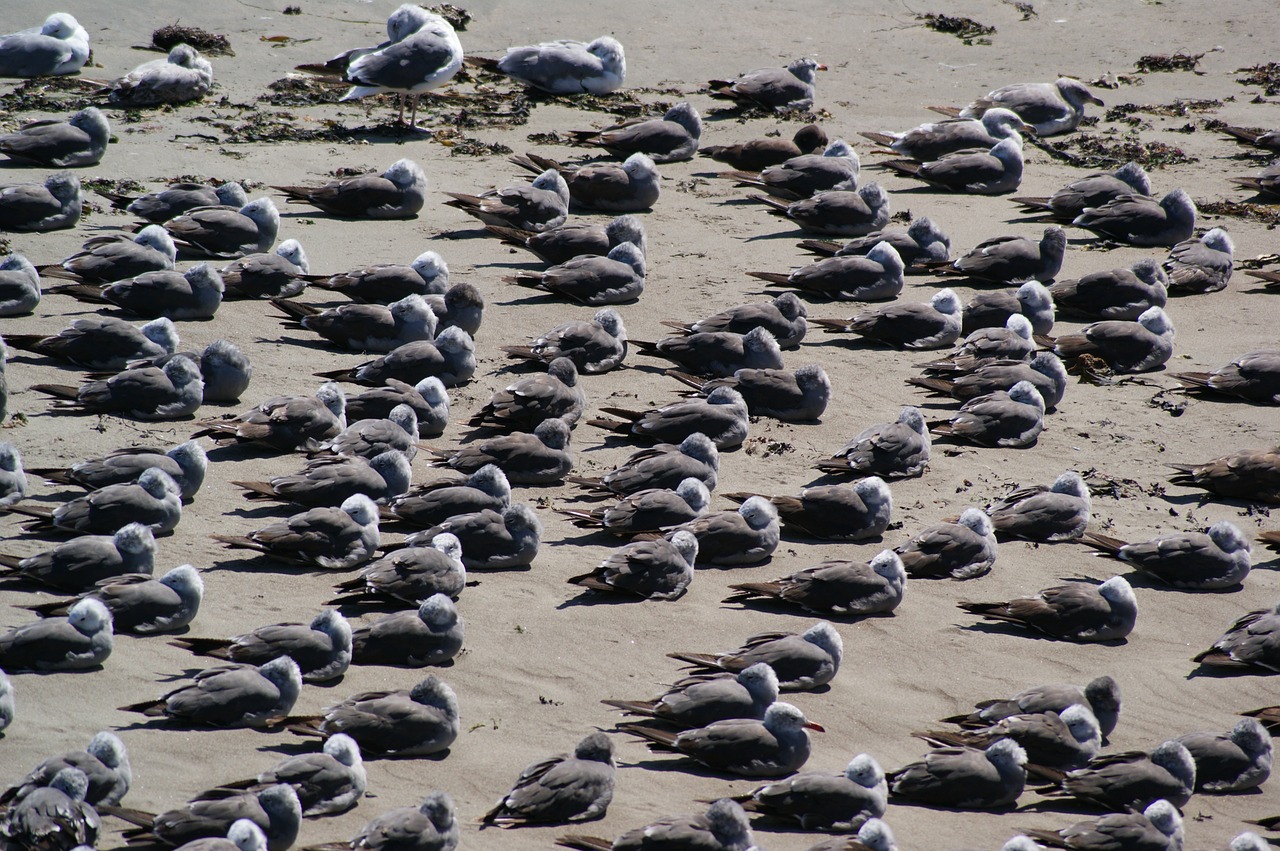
x=813, y=725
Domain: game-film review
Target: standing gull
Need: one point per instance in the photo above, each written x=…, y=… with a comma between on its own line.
x=781, y=89
x=184, y=75
x=564, y=67
x=802, y=661
x=420, y=721
x=54, y=204
x=1073, y=611
x=425, y=56
x=398, y=193
x=79, y=141
x=701, y=699
x=561, y=788
x=58, y=46
x=1196, y=561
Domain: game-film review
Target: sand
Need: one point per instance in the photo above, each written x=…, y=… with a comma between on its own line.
x=540, y=656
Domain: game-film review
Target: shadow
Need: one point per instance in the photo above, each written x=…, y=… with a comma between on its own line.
x=999, y=628
x=593, y=597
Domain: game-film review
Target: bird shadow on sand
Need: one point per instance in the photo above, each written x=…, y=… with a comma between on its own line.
x=1023, y=632
x=263, y=563
x=591, y=597
x=781, y=607
x=1219, y=672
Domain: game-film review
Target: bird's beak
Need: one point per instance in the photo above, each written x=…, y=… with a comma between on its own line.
x=1030, y=132
x=1096, y=100
x=822, y=67
x=813, y=725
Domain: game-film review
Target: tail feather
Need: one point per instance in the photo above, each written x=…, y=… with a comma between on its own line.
x=611, y=425
x=1193, y=380
x=774, y=203
x=59, y=391
x=1103, y=543
x=591, y=581
x=752, y=591
x=949, y=111
x=238, y=542
x=772, y=277
x=584, y=843
x=1036, y=203
x=257, y=490
x=635, y=707
x=294, y=309
x=83, y=292
x=510, y=236
x=907, y=167
x=937, y=385
x=150, y=708
x=337, y=375
x=879, y=138
x=699, y=660
x=832, y=326
x=623, y=413
x=1215, y=658
x=524, y=352
x=820, y=246
x=693, y=381
x=652, y=732
x=141, y=818
x=215, y=647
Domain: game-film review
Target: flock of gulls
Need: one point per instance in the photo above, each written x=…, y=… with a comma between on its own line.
x=359, y=432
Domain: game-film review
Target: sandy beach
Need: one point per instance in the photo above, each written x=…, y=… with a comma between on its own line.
x=540, y=655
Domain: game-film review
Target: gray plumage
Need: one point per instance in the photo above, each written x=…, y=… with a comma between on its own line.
x=13, y=480
x=192, y=295
x=802, y=661
x=430, y=635
x=1056, y=741
x=19, y=286
x=8, y=705
x=782, y=89
x=936, y=139
x=329, y=538
x=834, y=512
x=1235, y=761
x=722, y=416
x=1050, y=108
x=276, y=811
x=595, y=346
x=1201, y=265
x=427, y=398
x=616, y=278
x=326, y=783
x=836, y=212
x=79, y=141
x=1126, y=347
x=55, y=817
x=1012, y=419
x=104, y=763
x=280, y=274
x=1038, y=513
x=328, y=481
x=142, y=605
x=784, y=317
x=85, y=560
x=430, y=826
x=746, y=536
x=662, y=466
x=628, y=187
x=54, y=204
x=183, y=76
x=451, y=357
x=105, y=259
x=322, y=648
x=80, y=641
x=365, y=327
x=646, y=510
x=761, y=153
x=799, y=395
x=1114, y=294
x=566, y=66
x=1045, y=372
x=1157, y=828
x=965, y=778
x=1216, y=560
x=1011, y=259
x=1101, y=695
x=224, y=232
x=1253, y=641
x=174, y=391
x=965, y=549
x=877, y=276
x=1254, y=376
x=718, y=353
x=460, y=306
x=422, y=54
x=561, y=788
x=491, y=540
x=562, y=244
x=991, y=310
x=994, y=172
x=538, y=206
x=1133, y=780
x=840, y=802
x=369, y=438
x=923, y=242
x=398, y=193
x=531, y=401
x=1073, y=611
x=383, y=283
x=435, y=501
x=154, y=500
x=420, y=721
x=836, y=586
x=178, y=198
x=912, y=325
x=651, y=570
x=701, y=699
x=410, y=575
x=230, y=696
x=185, y=463
x=59, y=46
x=541, y=458
x=724, y=827
x=837, y=167
x=671, y=138
x=284, y=423
x=1142, y=220
x=1092, y=190
x=895, y=450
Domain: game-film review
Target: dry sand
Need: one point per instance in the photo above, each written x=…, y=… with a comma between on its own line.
x=539, y=658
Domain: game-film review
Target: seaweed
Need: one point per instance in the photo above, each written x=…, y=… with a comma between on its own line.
x=1160, y=62
x=50, y=94
x=120, y=186
x=168, y=37
x=1267, y=214
x=1267, y=76
x=458, y=18
x=966, y=29
x=292, y=10
x=1089, y=151
x=467, y=146
x=303, y=91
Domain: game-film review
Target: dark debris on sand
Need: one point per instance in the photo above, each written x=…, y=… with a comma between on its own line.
x=458, y=18
x=1267, y=76
x=49, y=94
x=1157, y=62
x=460, y=145
x=966, y=29
x=168, y=37
x=1086, y=150
x=303, y=91
x=1267, y=214
x=122, y=186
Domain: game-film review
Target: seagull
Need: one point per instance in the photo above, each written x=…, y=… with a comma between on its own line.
x=80, y=641
x=994, y=172
x=78, y=564
x=436, y=501
x=383, y=283
x=835, y=586
x=176, y=199
x=321, y=648
x=284, y=423
x=140, y=604
x=701, y=699
x=490, y=540
x=282, y=274
x=616, y=278
x=935, y=140
x=1125, y=347
x=430, y=826
x=785, y=317
x=722, y=416
x=1010, y=259
x=530, y=401
x=922, y=243
x=365, y=327
x=834, y=512
x=717, y=353
x=54, y=204
x=906, y=325
x=78, y=142
x=1235, y=761
x=963, y=777
x=539, y=206
x=106, y=259
x=1013, y=342
x=805, y=176
x=1266, y=183
x=1073, y=611
x=370, y=438
x=1114, y=294
x=841, y=802
x=192, y=295
x=225, y=369
x=327, y=538
x=1132, y=780
x=8, y=707
x=1196, y=561
x=460, y=306
x=183, y=76
x=1101, y=695
x=646, y=510
x=430, y=635
x=780, y=89
x=669, y=139
x=13, y=480
x=101, y=342
x=1050, y=108
x=1201, y=265
x=564, y=243
x=223, y=232
x=327, y=783
x=836, y=212
x=759, y=154
x=1012, y=419
x=965, y=549
x=595, y=346
x=664, y=465
x=411, y=575
x=1157, y=828
x=1060, y=742
x=561, y=788
x=19, y=286
x=230, y=696
x=630, y=187
x=541, y=458
x=275, y=811
x=59, y=46
x=895, y=450
x=724, y=827
x=877, y=276
x=774, y=746
x=104, y=762
x=802, y=661
x=565, y=67
x=398, y=193
x=55, y=816
x=1248, y=474
x=651, y=570
x=1059, y=512
x=420, y=721
x=1249, y=643
x=1045, y=372
x=1092, y=190
x=451, y=357
x=428, y=399
x=174, y=391
x=1254, y=377
x=154, y=500
x=993, y=309
x=1142, y=220
x=185, y=463
x=799, y=395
